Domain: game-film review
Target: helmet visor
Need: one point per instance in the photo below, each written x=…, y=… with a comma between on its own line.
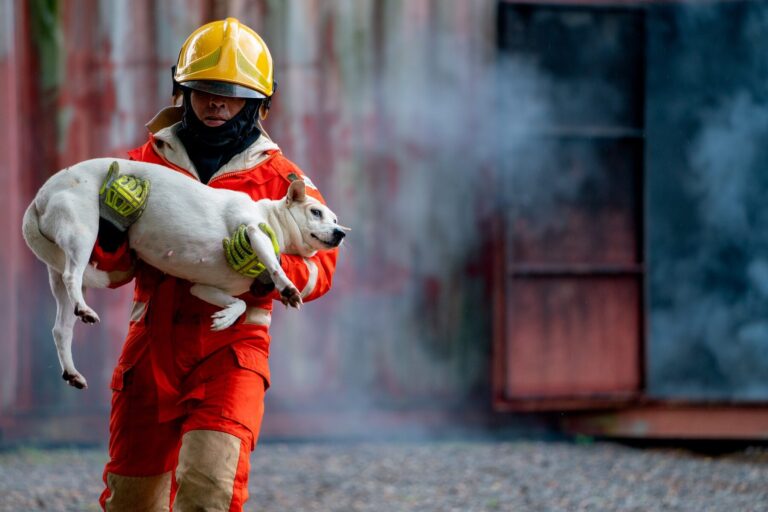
x=223, y=89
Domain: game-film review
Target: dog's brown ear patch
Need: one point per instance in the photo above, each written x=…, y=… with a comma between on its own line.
x=296, y=192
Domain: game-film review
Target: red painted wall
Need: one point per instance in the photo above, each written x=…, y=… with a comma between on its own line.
x=406, y=327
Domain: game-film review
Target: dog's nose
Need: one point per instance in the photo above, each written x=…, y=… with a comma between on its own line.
x=338, y=236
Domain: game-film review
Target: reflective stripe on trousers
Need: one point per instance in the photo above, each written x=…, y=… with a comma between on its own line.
x=205, y=476
x=206, y=471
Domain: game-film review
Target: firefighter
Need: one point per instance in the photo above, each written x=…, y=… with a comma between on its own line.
x=187, y=402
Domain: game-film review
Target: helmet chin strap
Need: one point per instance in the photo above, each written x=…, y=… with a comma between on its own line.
x=266, y=103
x=264, y=110
x=262, y=130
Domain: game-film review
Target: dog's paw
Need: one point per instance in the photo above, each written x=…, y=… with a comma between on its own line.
x=221, y=321
x=227, y=316
x=86, y=314
x=290, y=296
x=74, y=379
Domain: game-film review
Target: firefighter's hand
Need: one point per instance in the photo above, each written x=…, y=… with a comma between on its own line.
x=240, y=255
x=122, y=199
x=110, y=237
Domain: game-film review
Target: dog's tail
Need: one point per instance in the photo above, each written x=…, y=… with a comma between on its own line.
x=51, y=254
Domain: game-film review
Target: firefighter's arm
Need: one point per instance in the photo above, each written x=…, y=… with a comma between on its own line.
x=241, y=256
x=312, y=276
x=121, y=201
x=114, y=257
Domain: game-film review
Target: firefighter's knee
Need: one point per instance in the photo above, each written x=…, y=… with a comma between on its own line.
x=206, y=472
x=137, y=493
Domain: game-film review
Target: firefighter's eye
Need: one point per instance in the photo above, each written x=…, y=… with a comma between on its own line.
x=317, y=213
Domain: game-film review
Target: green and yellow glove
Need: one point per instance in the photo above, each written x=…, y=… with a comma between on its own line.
x=240, y=255
x=122, y=199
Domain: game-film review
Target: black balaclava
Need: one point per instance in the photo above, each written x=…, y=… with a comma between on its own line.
x=210, y=147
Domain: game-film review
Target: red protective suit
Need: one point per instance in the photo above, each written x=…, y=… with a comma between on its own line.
x=187, y=401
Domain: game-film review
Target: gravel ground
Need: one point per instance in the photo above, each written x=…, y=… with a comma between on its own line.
x=435, y=476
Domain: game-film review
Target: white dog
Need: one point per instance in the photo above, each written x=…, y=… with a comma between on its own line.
x=180, y=233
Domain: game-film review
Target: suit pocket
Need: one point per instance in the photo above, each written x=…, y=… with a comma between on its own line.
x=121, y=376
x=245, y=394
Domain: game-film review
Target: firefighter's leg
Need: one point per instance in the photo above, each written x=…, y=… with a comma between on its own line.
x=217, y=438
x=142, y=452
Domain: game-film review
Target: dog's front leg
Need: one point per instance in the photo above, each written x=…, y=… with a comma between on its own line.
x=63, y=328
x=262, y=246
x=233, y=307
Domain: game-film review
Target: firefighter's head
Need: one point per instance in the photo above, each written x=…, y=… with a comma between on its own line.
x=225, y=75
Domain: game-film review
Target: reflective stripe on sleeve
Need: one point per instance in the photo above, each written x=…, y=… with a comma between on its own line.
x=312, y=280
x=137, y=311
x=257, y=316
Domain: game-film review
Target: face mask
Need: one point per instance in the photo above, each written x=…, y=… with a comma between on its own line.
x=229, y=133
x=210, y=147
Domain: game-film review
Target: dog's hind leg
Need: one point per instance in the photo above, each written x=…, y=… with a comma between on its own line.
x=262, y=246
x=233, y=307
x=62, y=330
x=77, y=251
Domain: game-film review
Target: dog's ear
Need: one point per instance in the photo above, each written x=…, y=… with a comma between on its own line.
x=296, y=192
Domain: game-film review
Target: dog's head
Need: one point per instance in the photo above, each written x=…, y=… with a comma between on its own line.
x=318, y=224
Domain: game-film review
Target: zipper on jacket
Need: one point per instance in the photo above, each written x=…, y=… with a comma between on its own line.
x=214, y=178
x=174, y=166
x=231, y=173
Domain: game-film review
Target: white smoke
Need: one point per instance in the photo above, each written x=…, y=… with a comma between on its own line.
x=437, y=135
x=709, y=272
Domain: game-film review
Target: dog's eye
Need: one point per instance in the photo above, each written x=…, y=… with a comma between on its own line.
x=317, y=213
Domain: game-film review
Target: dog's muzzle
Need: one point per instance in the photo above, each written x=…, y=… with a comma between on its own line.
x=334, y=240
x=337, y=237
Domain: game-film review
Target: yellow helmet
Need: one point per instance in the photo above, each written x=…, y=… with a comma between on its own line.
x=226, y=58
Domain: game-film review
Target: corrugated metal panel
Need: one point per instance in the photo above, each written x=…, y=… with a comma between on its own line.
x=10, y=206
x=82, y=78
x=417, y=132
x=400, y=330
x=570, y=327
x=573, y=337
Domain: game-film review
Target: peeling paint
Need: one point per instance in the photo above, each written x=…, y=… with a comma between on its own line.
x=46, y=34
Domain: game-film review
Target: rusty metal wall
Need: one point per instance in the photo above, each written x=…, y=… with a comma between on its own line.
x=570, y=329
x=423, y=137
x=373, y=103
x=10, y=205
x=80, y=79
